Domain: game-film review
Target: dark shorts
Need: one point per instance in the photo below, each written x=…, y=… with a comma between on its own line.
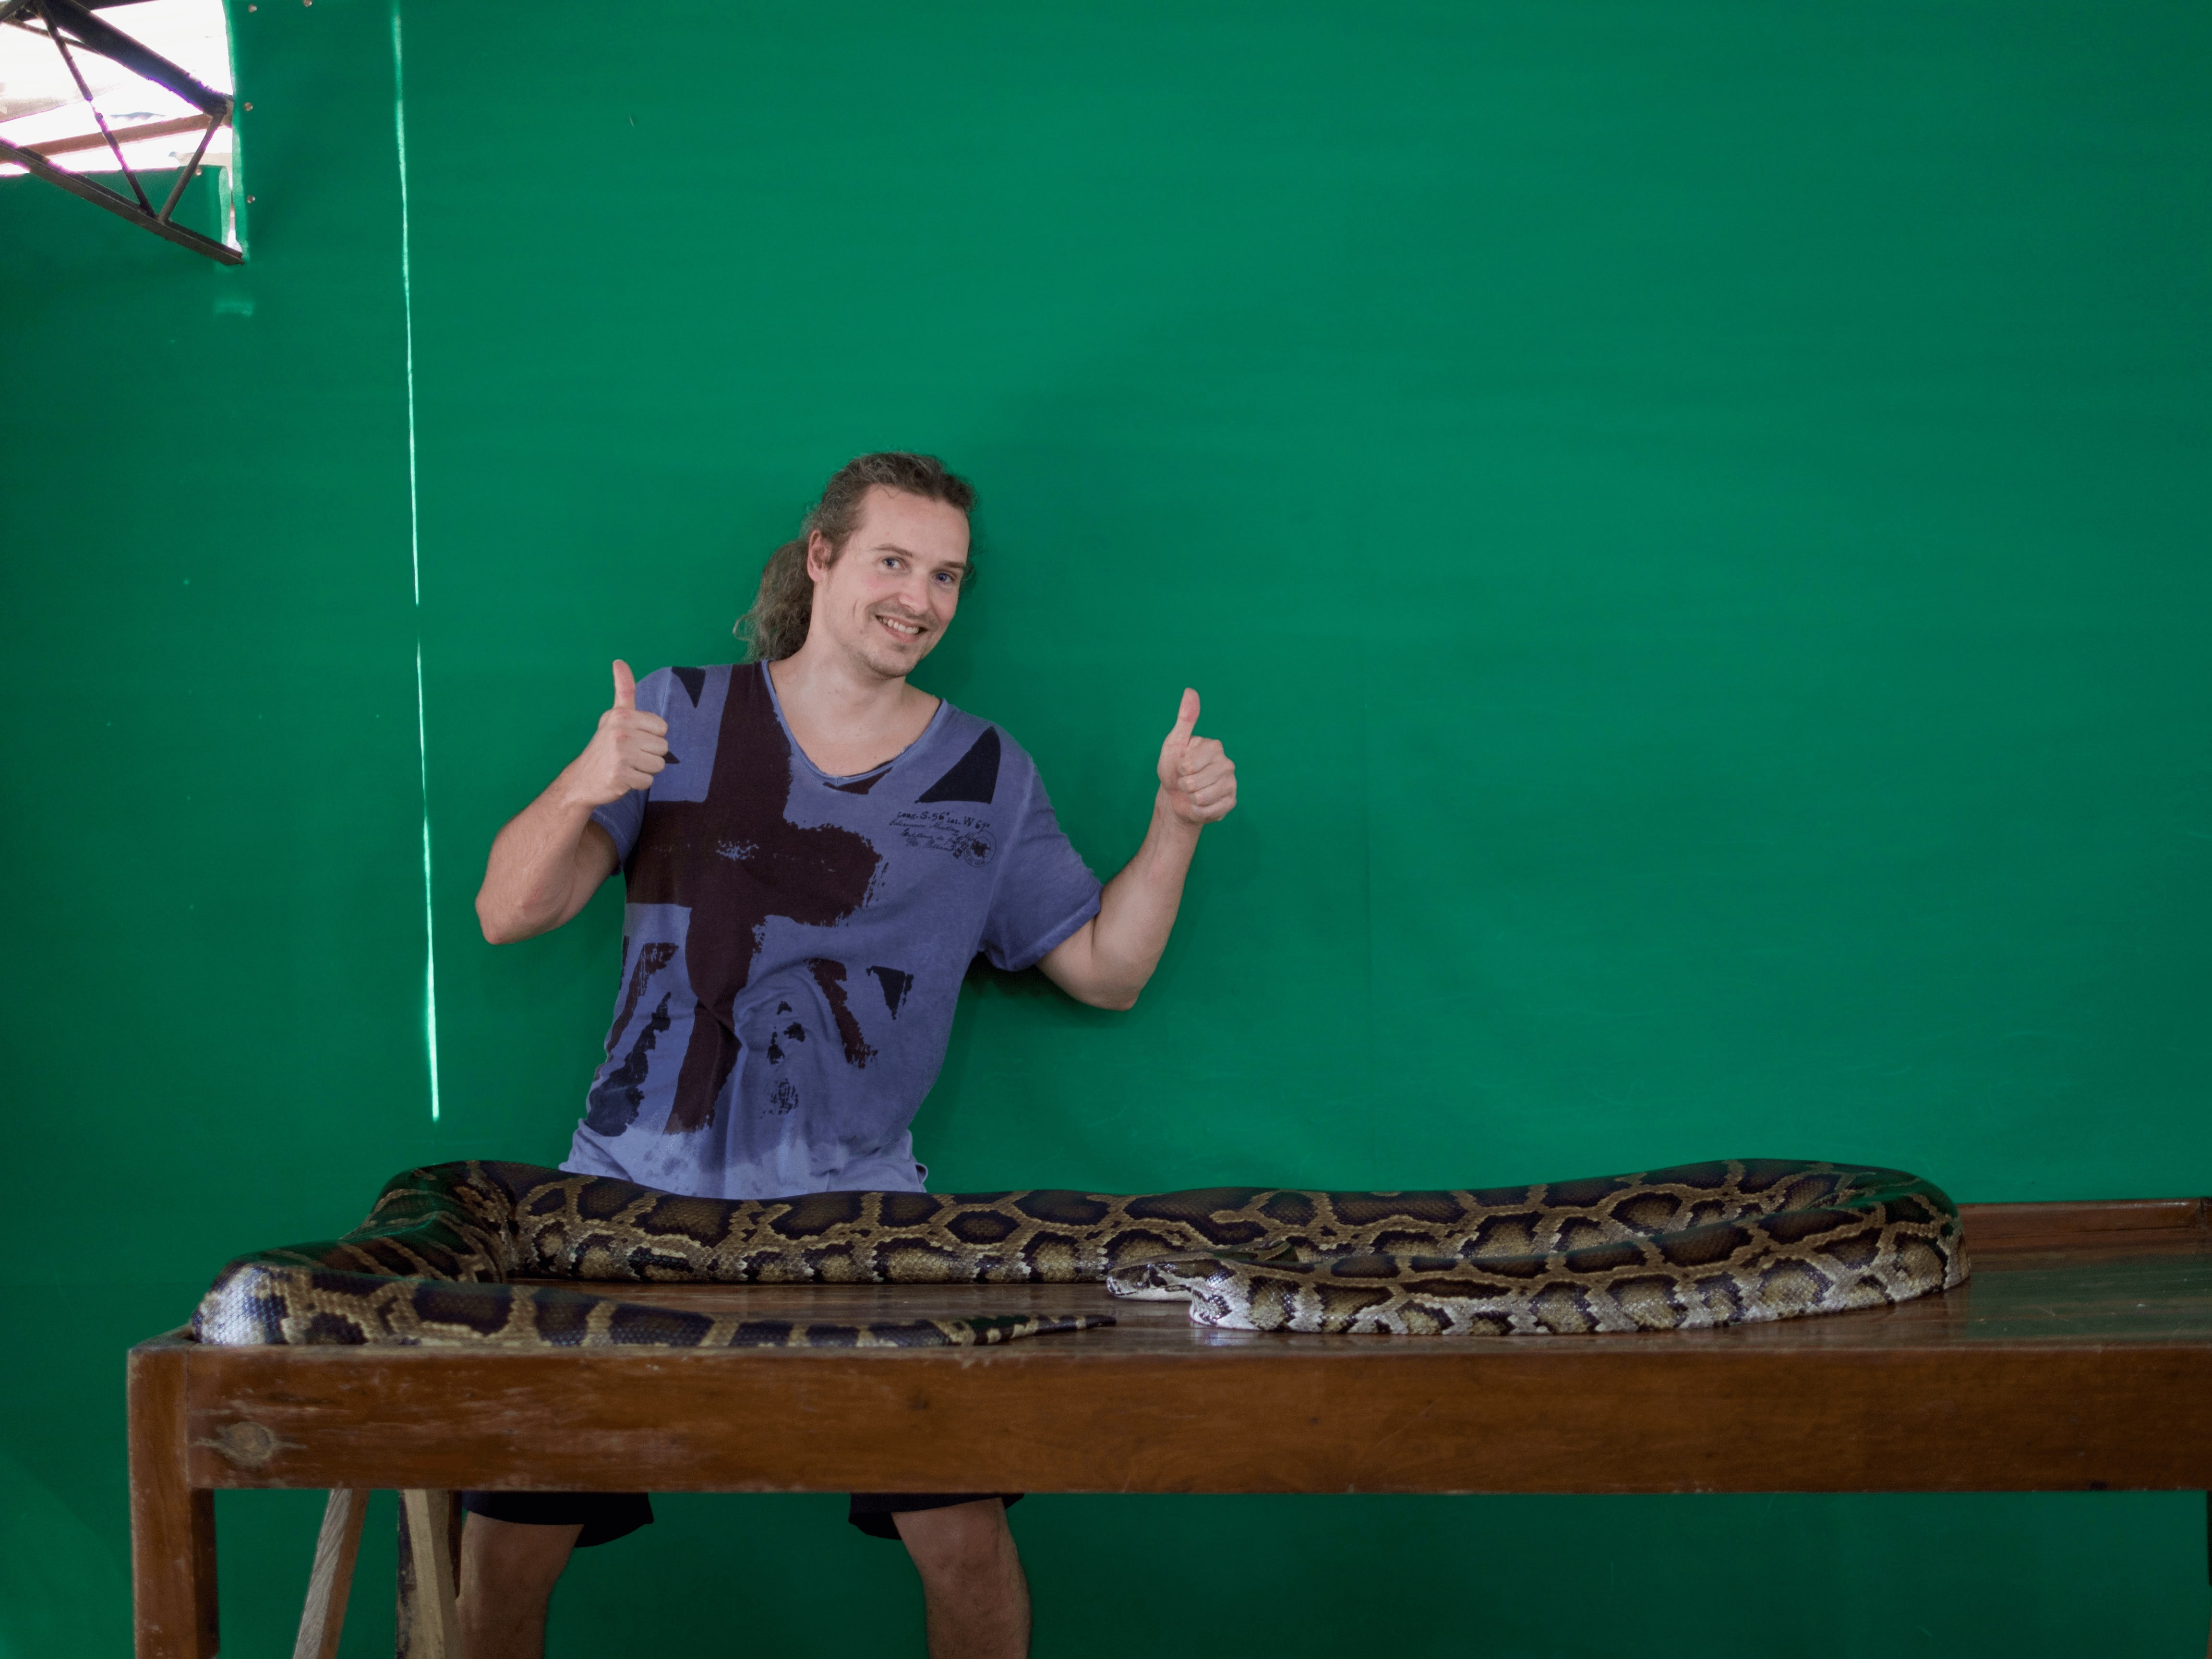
x=607, y=1516
x=603, y=1516
x=872, y=1511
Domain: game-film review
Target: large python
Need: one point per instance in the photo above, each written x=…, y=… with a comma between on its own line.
x=1680, y=1249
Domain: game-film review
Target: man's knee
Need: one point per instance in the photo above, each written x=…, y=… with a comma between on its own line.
x=512, y=1560
x=959, y=1538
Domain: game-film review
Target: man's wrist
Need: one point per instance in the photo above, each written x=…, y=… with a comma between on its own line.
x=1165, y=818
x=570, y=796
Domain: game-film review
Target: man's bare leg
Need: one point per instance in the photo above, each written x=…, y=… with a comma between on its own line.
x=975, y=1599
x=507, y=1573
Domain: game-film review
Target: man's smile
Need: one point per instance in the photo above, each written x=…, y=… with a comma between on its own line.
x=899, y=626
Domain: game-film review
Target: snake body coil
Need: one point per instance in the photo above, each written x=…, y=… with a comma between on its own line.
x=1699, y=1245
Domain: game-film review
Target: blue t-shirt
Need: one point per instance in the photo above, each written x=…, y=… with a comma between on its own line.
x=795, y=943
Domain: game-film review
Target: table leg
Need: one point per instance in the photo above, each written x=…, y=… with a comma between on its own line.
x=172, y=1522
x=322, y=1620
x=429, y=1623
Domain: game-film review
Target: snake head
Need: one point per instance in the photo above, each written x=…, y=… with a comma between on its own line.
x=1163, y=1278
x=1174, y=1278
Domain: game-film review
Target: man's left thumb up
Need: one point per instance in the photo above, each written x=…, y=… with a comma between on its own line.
x=1185, y=717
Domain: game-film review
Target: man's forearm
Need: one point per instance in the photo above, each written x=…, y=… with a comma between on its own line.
x=549, y=860
x=1136, y=913
x=530, y=877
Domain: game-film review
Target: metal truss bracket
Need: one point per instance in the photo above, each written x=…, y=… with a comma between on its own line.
x=74, y=25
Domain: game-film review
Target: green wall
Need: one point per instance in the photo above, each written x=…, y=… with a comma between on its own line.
x=1691, y=520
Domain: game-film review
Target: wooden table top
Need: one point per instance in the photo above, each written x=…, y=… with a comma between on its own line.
x=2079, y=1355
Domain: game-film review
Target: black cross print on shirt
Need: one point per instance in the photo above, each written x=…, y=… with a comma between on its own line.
x=735, y=860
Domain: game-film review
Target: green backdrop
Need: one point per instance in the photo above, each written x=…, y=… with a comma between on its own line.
x=1691, y=519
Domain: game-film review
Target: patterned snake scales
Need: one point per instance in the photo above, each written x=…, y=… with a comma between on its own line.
x=1672, y=1250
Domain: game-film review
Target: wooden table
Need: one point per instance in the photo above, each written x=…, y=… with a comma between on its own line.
x=2078, y=1357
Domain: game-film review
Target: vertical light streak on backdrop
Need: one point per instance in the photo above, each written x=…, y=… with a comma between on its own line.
x=414, y=560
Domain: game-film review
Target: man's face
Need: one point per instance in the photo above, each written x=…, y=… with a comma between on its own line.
x=887, y=600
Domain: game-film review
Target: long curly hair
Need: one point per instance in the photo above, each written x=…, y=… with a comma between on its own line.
x=776, y=626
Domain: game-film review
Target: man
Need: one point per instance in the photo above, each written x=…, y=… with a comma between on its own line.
x=814, y=851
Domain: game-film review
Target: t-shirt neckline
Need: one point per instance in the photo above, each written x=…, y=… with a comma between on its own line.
x=799, y=750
